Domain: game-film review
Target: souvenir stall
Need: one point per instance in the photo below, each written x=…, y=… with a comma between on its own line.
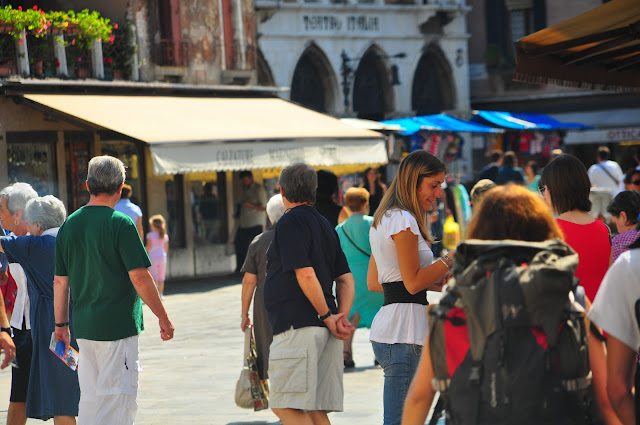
x=442, y=136
x=530, y=136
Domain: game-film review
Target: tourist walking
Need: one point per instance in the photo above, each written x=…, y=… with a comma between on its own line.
x=255, y=271
x=158, y=248
x=507, y=213
x=625, y=214
x=128, y=208
x=53, y=387
x=101, y=263
x=309, y=324
x=565, y=187
x=402, y=266
x=13, y=201
x=354, y=240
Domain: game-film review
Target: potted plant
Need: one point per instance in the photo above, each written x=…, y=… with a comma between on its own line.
x=119, y=52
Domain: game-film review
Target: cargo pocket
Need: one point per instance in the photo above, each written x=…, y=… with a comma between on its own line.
x=288, y=370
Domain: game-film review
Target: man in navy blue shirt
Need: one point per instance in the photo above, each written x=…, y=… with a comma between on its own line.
x=309, y=324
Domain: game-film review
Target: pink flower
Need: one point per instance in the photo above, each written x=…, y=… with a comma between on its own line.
x=56, y=62
x=79, y=59
x=115, y=26
x=35, y=7
x=109, y=61
x=73, y=41
x=21, y=41
x=19, y=7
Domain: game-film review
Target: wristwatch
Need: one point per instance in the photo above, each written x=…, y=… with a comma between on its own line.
x=7, y=330
x=322, y=318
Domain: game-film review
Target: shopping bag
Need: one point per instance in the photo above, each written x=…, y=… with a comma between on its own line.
x=257, y=395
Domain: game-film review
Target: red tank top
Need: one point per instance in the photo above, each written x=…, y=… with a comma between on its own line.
x=593, y=245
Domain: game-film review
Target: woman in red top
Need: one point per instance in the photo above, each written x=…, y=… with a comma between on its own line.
x=565, y=186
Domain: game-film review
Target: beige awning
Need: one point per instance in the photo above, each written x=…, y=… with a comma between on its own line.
x=598, y=49
x=192, y=134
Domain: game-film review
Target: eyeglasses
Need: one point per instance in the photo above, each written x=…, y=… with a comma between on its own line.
x=542, y=190
x=635, y=182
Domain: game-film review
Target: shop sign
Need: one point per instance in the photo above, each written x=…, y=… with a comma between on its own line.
x=610, y=135
x=337, y=23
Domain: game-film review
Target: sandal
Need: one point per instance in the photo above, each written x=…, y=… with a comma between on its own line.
x=348, y=360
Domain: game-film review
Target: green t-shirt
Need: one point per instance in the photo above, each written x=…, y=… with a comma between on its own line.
x=96, y=248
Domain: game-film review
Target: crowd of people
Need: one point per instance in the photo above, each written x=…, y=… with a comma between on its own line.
x=322, y=270
x=80, y=280
x=382, y=263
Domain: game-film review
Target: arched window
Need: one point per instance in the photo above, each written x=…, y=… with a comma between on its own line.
x=370, y=82
x=307, y=87
x=432, y=90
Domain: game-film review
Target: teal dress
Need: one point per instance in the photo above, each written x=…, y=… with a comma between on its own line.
x=534, y=184
x=354, y=239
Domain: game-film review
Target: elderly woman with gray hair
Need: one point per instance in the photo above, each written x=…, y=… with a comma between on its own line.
x=53, y=387
x=255, y=270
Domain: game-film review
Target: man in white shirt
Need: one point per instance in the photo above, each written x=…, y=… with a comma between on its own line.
x=616, y=311
x=605, y=176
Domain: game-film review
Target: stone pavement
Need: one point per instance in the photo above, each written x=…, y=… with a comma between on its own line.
x=191, y=379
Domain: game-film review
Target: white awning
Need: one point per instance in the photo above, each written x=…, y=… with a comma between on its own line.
x=190, y=134
x=177, y=159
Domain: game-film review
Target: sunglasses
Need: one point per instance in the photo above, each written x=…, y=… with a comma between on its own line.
x=635, y=182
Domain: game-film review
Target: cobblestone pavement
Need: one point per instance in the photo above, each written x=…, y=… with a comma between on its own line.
x=191, y=379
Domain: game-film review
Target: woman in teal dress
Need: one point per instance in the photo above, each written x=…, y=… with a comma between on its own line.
x=531, y=176
x=354, y=239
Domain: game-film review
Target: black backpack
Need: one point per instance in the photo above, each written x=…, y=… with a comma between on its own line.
x=507, y=345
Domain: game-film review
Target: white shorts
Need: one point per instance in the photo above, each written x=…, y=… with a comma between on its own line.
x=305, y=370
x=108, y=376
x=600, y=199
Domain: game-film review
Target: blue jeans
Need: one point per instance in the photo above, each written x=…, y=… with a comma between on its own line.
x=399, y=362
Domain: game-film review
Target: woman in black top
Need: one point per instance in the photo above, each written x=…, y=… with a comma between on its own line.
x=375, y=187
x=325, y=198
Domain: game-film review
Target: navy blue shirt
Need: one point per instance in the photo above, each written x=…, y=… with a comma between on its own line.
x=303, y=238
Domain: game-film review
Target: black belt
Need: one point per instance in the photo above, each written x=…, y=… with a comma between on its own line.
x=396, y=293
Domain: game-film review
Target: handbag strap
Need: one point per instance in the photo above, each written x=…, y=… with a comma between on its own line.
x=247, y=345
x=353, y=243
x=603, y=168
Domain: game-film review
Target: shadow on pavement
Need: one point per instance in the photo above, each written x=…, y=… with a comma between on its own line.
x=201, y=284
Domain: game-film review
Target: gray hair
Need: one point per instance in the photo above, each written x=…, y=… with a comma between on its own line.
x=275, y=208
x=48, y=211
x=299, y=183
x=17, y=195
x=105, y=175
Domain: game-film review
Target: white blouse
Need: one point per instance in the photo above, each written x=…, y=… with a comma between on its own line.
x=397, y=323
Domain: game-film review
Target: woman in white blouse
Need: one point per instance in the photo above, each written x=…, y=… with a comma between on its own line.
x=402, y=267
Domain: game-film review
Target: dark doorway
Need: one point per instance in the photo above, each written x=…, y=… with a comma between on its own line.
x=307, y=88
x=368, y=88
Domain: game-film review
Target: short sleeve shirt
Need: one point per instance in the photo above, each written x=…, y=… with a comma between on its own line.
x=96, y=248
x=250, y=216
x=303, y=238
x=256, y=260
x=614, y=308
x=130, y=209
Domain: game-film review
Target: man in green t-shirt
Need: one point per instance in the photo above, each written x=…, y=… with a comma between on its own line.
x=102, y=262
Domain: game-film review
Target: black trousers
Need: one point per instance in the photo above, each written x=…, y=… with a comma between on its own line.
x=244, y=236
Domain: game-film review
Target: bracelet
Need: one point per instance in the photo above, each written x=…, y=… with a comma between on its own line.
x=7, y=330
x=447, y=265
x=62, y=325
x=244, y=315
x=324, y=317
x=448, y=259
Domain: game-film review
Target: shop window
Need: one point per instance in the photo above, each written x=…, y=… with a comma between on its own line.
x=521, y=21
x=174, y=189
x=209, y=212
x=130, y=155
x=33, y=163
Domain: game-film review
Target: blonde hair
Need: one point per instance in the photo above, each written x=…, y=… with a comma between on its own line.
x=158, y=222
x=403, y=192
x=355, y=198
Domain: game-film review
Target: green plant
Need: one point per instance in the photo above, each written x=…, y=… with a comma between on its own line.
x=89, y=26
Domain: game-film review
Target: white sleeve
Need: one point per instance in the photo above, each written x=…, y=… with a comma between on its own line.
x=398, y=221
x=614, y=308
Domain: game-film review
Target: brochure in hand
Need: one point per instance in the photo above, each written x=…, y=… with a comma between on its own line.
x=70, y=358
